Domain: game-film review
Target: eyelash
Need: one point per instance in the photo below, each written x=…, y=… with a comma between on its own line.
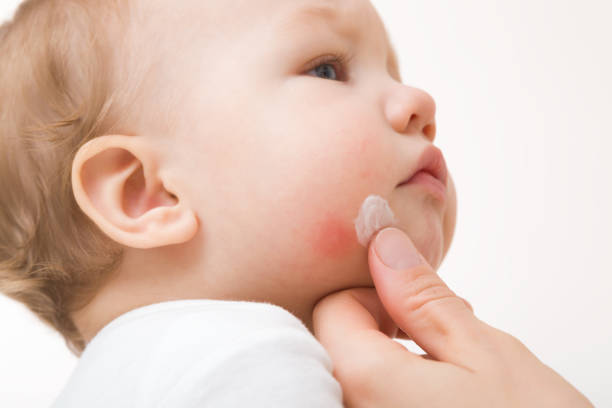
x=340, y=60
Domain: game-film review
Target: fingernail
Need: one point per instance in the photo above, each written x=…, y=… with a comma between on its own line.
x=395, y=249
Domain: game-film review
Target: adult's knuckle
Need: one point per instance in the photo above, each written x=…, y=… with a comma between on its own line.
x=503, y=350
x=425, y=293
x=506, y=341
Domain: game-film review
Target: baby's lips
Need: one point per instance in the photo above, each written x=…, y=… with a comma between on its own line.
x=431, y=161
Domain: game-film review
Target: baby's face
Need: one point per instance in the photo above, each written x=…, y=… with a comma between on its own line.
x=279, y=144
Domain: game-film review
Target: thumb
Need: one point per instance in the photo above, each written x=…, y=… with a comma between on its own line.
x=419, y=302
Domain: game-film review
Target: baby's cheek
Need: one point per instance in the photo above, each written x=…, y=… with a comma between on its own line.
x=332, y=236
x=365, y=152
x=335, y=182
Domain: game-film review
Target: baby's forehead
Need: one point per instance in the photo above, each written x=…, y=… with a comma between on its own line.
x=222, y=18
x=281, y=21
x=351, y=19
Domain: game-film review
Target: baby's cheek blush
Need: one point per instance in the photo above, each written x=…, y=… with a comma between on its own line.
x=333, y=237
x=374, y=215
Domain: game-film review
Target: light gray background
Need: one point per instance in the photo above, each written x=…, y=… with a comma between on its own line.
x=524, y=99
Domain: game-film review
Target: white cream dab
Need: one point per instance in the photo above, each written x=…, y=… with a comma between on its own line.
x=374, y=215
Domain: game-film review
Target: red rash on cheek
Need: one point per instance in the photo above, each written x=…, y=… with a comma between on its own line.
x=332, y=237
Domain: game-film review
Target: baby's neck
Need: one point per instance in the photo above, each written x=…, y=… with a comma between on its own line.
x=112, y=303
x=127, y=291
x=179, y=272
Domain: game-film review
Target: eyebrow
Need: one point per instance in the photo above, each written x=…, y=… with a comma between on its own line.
x=318, y=11
x=330, y=14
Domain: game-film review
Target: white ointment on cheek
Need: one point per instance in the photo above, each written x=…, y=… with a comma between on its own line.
x=374, y=215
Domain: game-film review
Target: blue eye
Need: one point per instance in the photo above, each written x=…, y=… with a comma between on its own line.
x=329, y=67
x=326, y=71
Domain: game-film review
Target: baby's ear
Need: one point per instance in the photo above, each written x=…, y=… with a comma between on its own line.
x=116, y=181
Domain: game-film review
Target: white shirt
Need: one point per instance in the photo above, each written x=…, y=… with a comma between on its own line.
x=203, y=353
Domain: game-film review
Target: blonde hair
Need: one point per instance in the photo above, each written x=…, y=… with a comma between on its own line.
x=58, y=90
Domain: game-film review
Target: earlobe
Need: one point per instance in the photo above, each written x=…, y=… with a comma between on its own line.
x=117, y=182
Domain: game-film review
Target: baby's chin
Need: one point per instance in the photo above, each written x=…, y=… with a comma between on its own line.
x=429, y=227
x=428, y=237
x=429, y=245
x=428, y=222
x=423, y=223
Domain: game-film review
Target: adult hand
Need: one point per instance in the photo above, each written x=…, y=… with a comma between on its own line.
x=468, y=362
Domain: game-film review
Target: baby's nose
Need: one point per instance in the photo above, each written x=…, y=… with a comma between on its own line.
x=411, y=111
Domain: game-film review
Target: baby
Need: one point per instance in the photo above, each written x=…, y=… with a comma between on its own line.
x=180, y=184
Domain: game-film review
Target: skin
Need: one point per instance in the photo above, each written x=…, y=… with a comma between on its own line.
x=252, y=192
